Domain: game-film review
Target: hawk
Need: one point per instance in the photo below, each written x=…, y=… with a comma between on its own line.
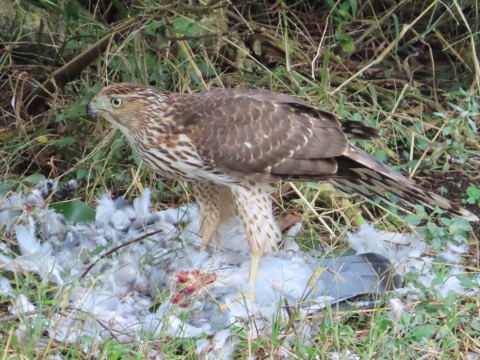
x=232, y=145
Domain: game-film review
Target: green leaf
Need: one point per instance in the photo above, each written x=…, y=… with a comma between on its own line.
x=81, y=173
x=194, y=77
x=353, y=6
x=357, y=116
x=122, y=11
x=344, y=13
x=345, y=41
x=467, y=281
x=439, y=280
x=373, y=92
x=459, y=226
x=100, y=249
x=51, y=5
x=154, y=25
x=380, y=155
x=397, y=28
x=34, y=178
x=432, y=228
x=320, y=187
x=394, y=199
x=425, y=332
x=475, y=324
x=71, y=11
x=206, y=69
x=413, y=219
x=412, y=163
x=6, y=185
x=206, y=23
x=446, y=221
x=184, y=26
x=75, y=211
x=455, y=107
x=473, y=192
x=446, y=131
x=420, y=210
x=65, y=141
x=440, y=114
x=75, y=111
x=306, y=89
x=331, y=4
x=450, y=300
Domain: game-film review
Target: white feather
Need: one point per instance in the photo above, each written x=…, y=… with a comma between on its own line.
x=119, y=289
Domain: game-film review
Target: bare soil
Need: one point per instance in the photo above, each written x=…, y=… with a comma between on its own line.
x=456, y=183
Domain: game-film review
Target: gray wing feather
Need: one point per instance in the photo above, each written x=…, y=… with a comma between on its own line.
x=355, y=275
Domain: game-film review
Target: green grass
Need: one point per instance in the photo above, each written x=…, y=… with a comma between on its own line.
x=422, y=93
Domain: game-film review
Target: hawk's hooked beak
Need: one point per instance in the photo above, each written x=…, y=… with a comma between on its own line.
x=92, y=108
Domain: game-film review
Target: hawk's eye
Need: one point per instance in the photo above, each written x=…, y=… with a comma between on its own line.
x=116, y=102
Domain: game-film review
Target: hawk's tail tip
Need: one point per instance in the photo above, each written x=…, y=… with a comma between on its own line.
x=452, y=207
x=467, y=215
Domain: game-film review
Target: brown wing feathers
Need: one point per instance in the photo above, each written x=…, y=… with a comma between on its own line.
x=266, y=136
x=248, y=135
x=253, y=133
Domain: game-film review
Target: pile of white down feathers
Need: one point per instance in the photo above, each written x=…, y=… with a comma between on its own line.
x=108, y=290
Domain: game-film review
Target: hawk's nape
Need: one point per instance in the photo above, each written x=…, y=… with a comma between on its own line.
x=231, y=144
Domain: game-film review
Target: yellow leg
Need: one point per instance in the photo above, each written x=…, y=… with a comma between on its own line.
x=252, y=276
x=255, y=211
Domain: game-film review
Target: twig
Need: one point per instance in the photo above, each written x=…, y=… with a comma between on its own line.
x=17, y=316
x=472, y=44
x=426, y=151
x=317, y=55
x=195, y=37
x=310, y=207
x=119, y=247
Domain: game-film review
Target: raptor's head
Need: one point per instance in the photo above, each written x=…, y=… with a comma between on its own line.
x=126, y=105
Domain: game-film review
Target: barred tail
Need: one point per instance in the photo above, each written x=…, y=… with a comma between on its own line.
x=374, y=178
